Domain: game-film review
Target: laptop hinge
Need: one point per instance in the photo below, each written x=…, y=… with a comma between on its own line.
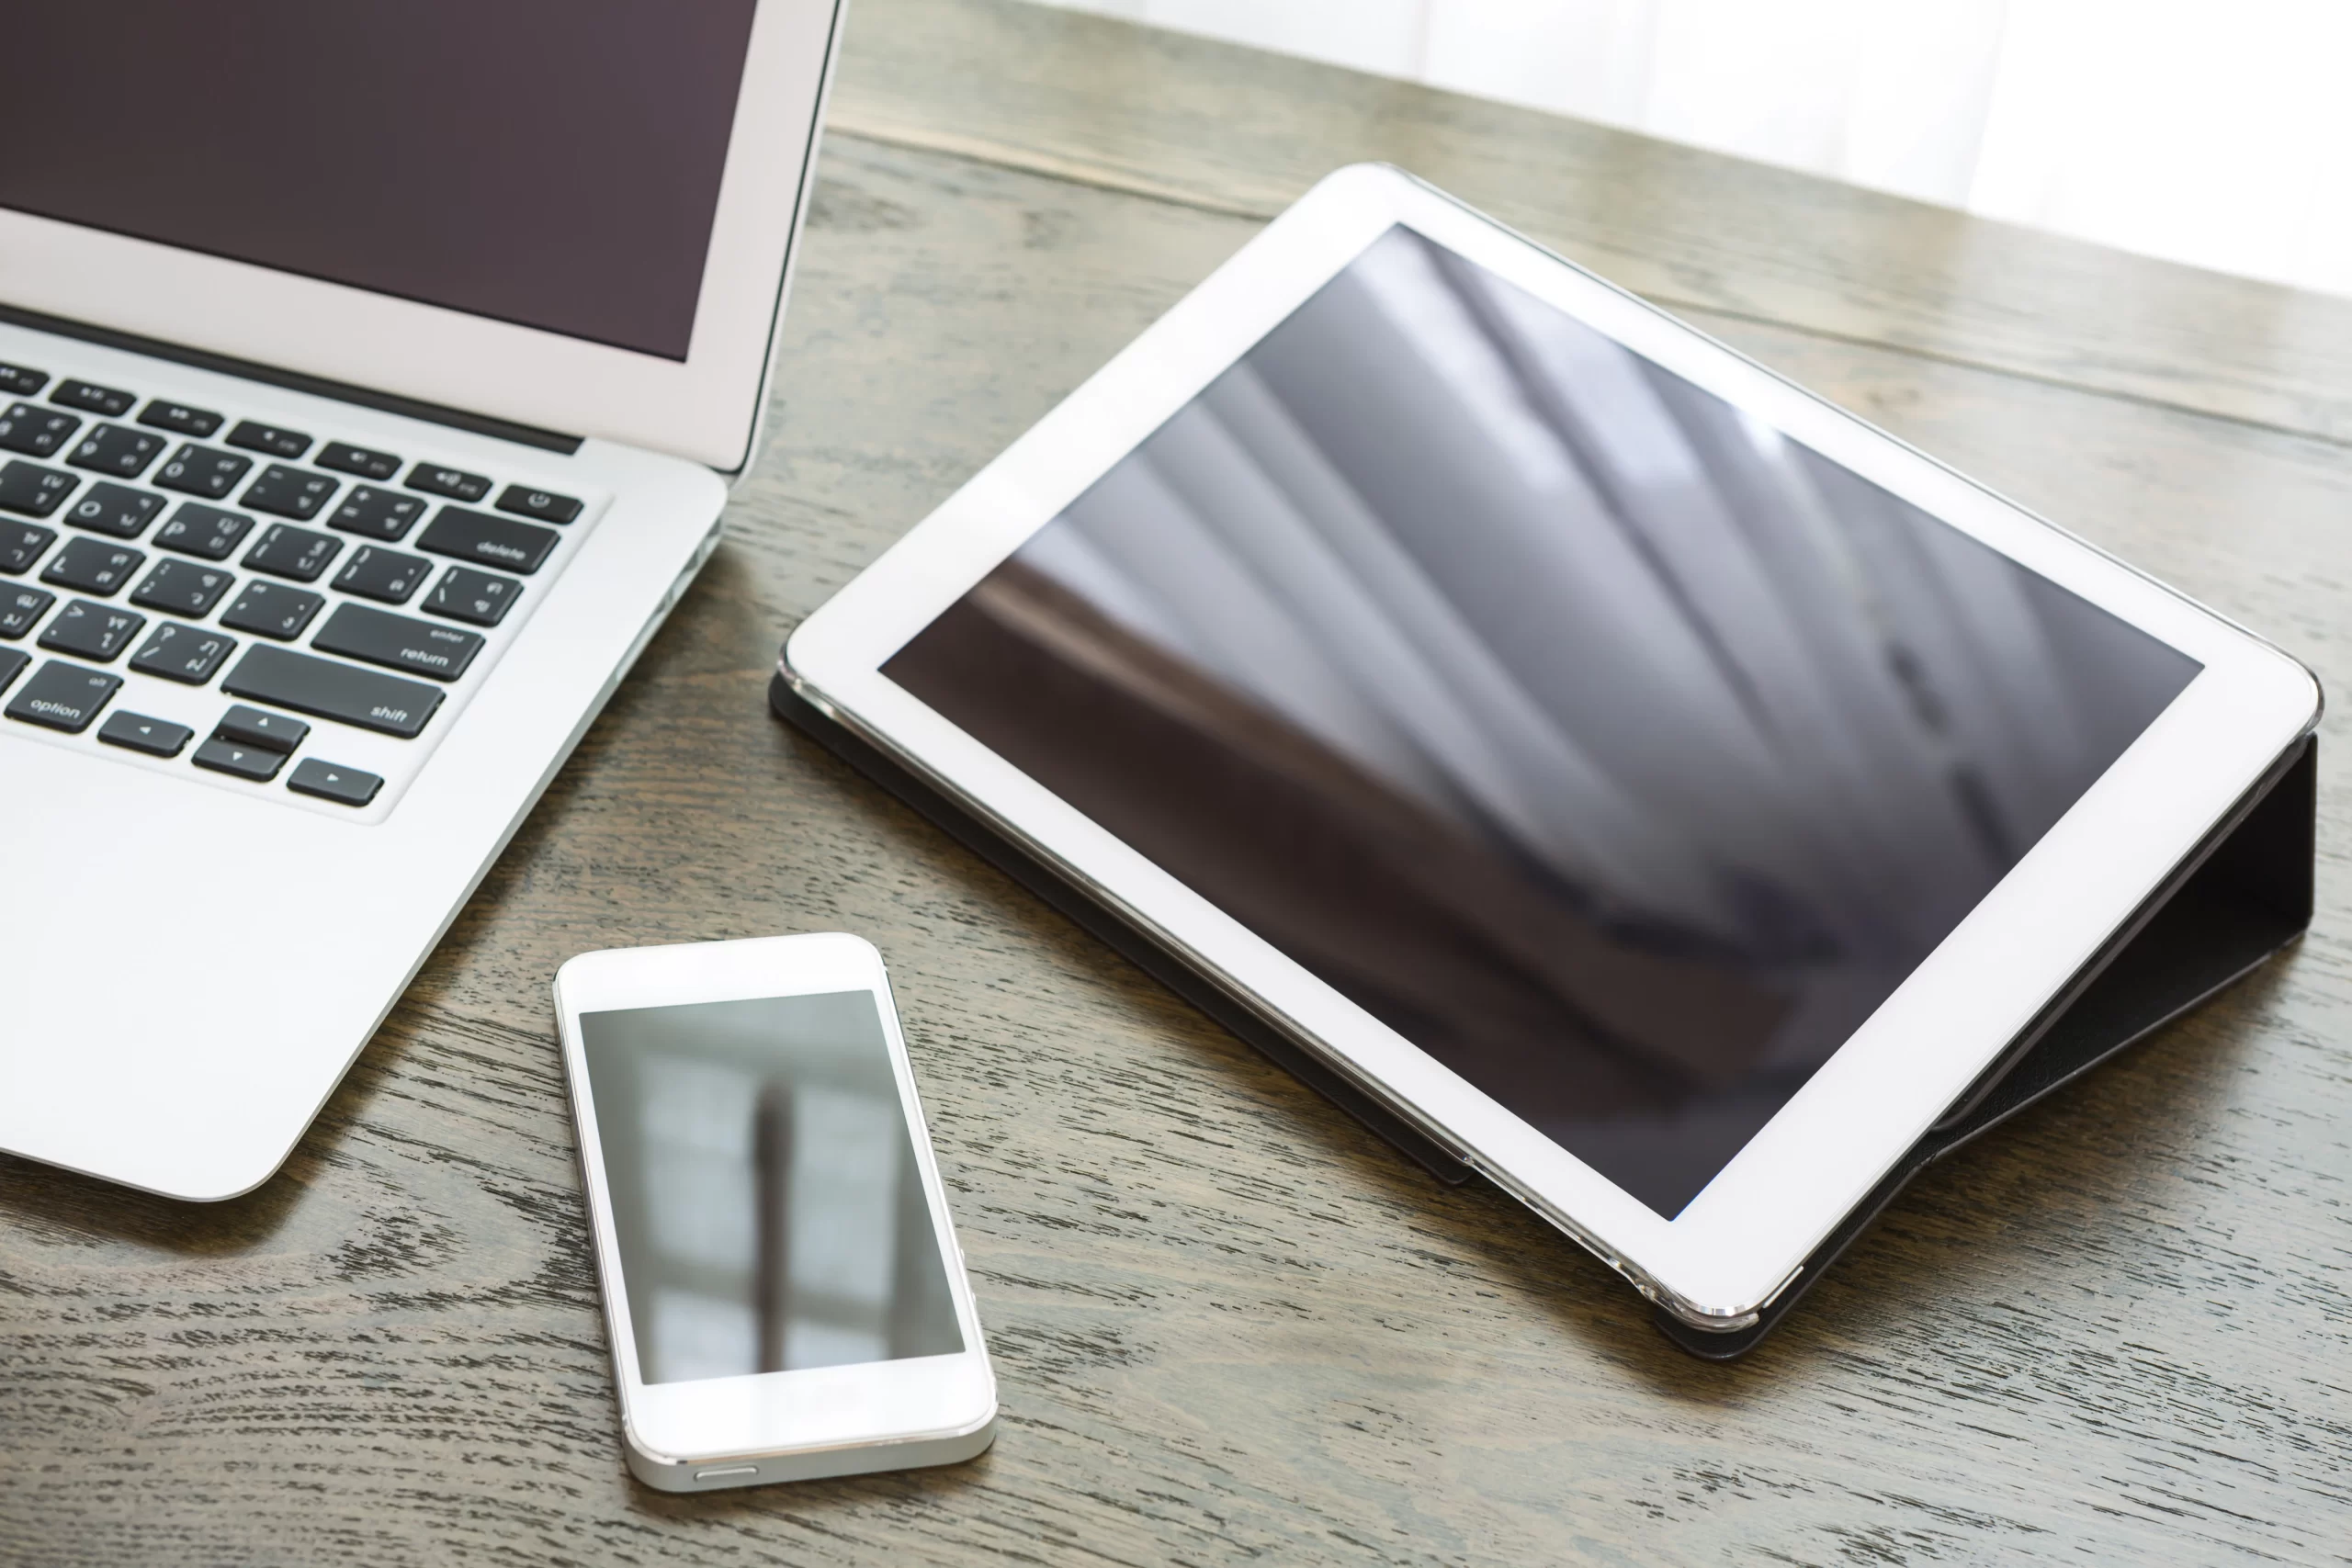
x=295, y=381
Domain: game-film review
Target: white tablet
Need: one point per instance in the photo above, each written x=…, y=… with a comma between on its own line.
x=1654, y=784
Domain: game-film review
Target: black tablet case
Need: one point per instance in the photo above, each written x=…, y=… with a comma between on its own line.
x=2245, y=894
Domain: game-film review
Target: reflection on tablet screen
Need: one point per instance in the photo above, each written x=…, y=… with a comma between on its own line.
x=1618, y=751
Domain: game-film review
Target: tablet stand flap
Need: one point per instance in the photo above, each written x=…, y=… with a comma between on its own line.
x=1136, y=948
x=2243, y=897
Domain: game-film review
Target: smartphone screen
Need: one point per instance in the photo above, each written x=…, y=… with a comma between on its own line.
x=763, y=1189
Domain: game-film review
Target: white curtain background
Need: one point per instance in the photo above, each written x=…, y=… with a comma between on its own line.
x=2220, y=135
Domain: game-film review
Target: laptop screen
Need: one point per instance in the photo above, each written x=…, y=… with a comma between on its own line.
x=550, y=162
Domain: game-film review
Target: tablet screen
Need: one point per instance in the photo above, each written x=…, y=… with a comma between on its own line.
x=1615, y=748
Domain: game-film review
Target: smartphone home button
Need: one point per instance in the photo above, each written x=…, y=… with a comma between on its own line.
x=726, y=1470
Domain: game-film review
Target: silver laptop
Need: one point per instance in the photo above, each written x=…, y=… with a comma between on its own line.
x=370, y=376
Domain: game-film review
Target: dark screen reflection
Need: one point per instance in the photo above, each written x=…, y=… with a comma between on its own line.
x=554, y=163
x=763, y=1188
x=1618, y=751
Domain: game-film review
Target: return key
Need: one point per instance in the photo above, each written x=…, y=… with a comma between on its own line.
x=440, y=653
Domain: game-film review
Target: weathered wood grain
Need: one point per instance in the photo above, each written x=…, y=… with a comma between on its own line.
x=1230, y=1326
x=1236, y=130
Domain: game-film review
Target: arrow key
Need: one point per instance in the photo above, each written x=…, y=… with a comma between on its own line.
x=257, y=727
x=137, y=732
x=245, y=762
x=329, y=781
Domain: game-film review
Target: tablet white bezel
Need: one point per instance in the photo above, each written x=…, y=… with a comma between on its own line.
x=703, y=406
x=1745, y=1235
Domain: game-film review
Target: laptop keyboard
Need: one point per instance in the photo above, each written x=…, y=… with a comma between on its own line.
x=319, y=606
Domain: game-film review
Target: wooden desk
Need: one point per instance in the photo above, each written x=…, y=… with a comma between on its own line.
x=1230, y=1325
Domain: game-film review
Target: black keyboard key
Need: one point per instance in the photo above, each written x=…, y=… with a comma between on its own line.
x=379, y=636
x=22, y=378
x=203, y=470
x=485, y=540
x=455, y=483
x=137, y=732
x=378, y=514
x=12, y=664
x=539, y=505
x=183, y=653
x=117, y=510
x=20, y=608
x=21, y=545
x=289, y=492
x=64, y=696
x=32, y=489
x=385, y=576
x=246, y=762
x=92, y=566
x=325, y=689
x=108, y=400
x=35, y=432
x=179, y=419
x=255, y=436
x=331, y=781
x=344, y=458
x=116, y=449
x=272, y=609
x=182, y=587
x=478, y=598
x=197, y=530
x=297, y=553
x=256, y=727
x=95, y=632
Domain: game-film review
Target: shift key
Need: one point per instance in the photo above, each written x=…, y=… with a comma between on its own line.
x=485, y=540
x=439, y=653
x=325, y=689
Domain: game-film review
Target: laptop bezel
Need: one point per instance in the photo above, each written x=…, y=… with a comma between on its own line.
x=704, y=407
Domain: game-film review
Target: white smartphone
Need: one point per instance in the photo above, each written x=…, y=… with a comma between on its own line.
x=783, y=1286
